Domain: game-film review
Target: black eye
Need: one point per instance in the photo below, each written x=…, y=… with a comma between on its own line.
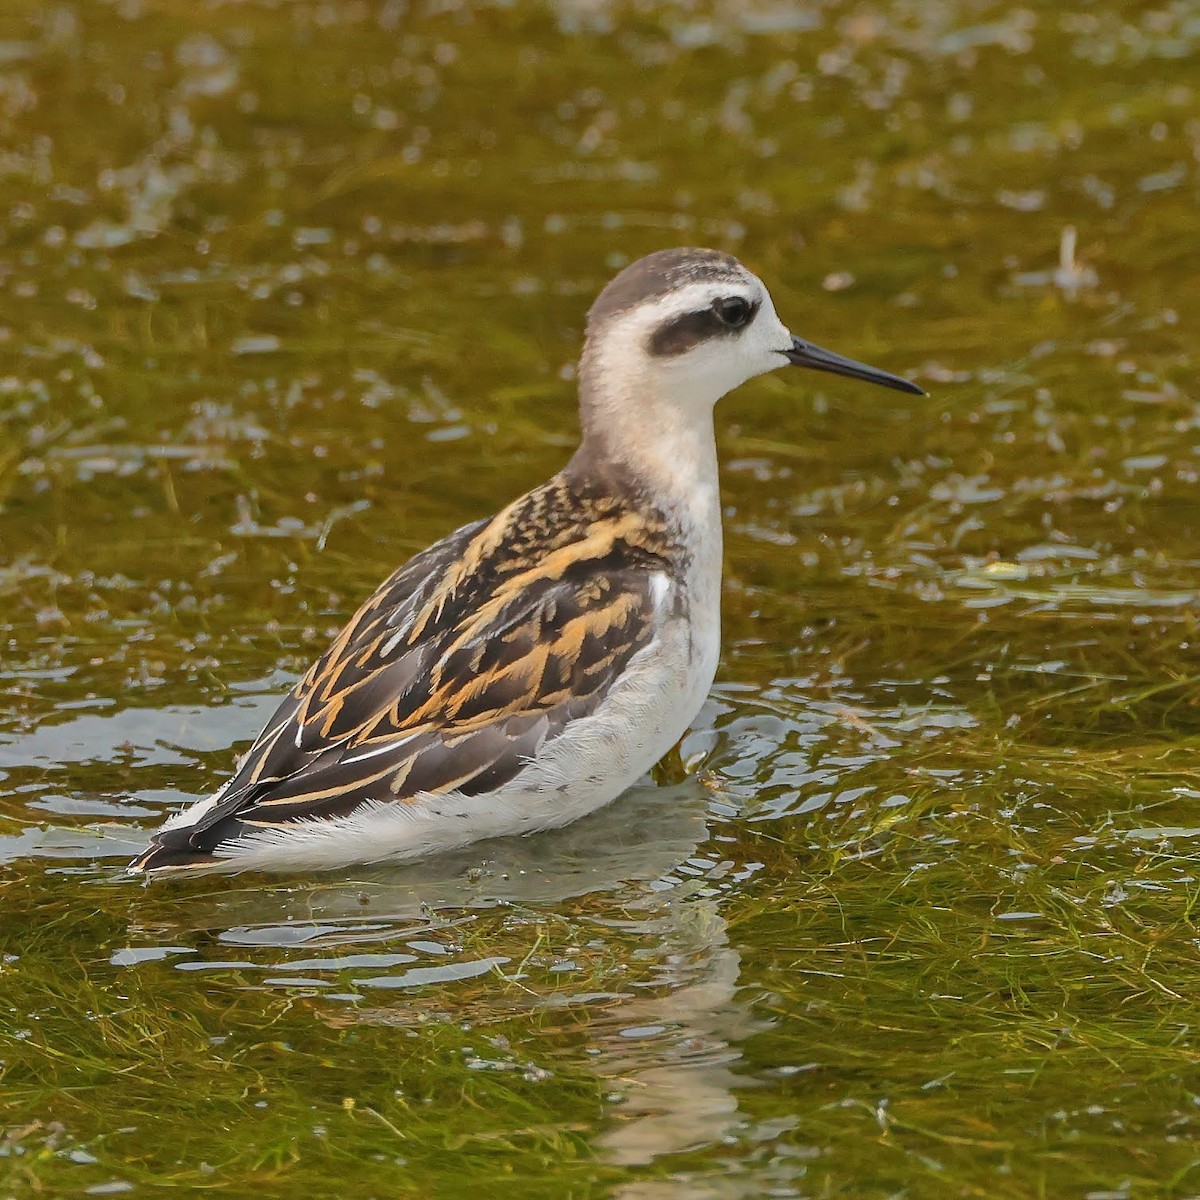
x=733, y=311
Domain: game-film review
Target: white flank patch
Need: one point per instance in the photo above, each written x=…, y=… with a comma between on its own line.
x=660, y=586
x=190, y=815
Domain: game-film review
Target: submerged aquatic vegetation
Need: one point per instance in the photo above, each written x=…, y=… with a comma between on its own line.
x=294, y=290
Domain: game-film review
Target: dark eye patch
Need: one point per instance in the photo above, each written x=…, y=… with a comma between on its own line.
x=680, y=334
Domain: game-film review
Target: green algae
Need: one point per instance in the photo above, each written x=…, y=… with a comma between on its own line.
x=292, y=289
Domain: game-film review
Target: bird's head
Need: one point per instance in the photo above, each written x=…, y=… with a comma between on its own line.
x=687, y=326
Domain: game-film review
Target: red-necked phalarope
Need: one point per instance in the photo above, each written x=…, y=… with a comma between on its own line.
x=527, y=668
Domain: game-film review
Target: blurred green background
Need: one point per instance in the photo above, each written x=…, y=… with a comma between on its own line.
x=292, y=289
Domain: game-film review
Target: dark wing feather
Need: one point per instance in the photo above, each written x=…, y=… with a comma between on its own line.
x=307, y=719
x=451, y=677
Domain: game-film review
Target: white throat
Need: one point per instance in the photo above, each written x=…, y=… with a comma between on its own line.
x=667, y=443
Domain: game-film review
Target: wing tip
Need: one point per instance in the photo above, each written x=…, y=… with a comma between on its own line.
x=162, y=858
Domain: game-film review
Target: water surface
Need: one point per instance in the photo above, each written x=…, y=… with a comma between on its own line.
x=293, y=289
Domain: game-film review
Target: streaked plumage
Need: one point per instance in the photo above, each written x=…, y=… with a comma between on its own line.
x=528, y=668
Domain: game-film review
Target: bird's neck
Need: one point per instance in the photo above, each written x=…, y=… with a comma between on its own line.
x=662, y=450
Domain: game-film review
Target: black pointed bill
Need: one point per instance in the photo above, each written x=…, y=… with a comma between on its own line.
x=805, y=354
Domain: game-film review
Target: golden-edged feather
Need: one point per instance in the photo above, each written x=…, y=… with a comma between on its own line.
x=459, y=668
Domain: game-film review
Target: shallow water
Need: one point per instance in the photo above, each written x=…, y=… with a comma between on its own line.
x=292, y=289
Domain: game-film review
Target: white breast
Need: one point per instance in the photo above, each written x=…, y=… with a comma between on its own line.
x=646, y=713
